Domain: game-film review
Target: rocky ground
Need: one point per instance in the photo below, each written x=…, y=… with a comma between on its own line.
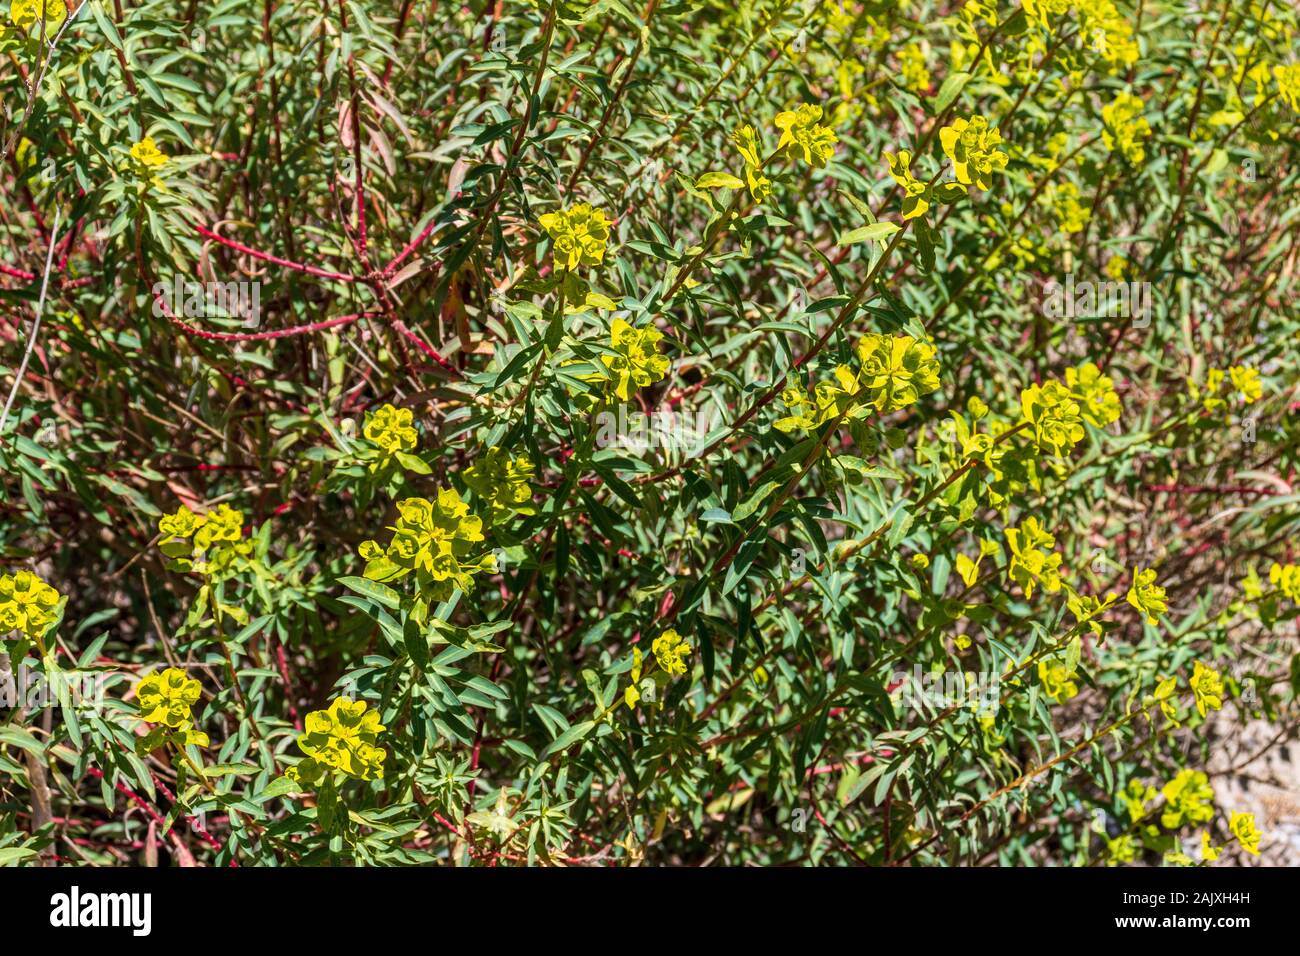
x=1255, y=768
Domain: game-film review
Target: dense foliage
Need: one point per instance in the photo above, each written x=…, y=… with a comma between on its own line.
x=579, y=433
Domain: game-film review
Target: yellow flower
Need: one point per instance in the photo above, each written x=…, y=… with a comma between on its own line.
x=916, y=194
x=182, y=524
x=217, y=539
x=1288, y=84
x=1242, y=826
x=432, y=540
x=829, y=400
x=912, y=62
x=1136, y=795
x=1108, y=33
x=390, y=428
x=1147, y=597
x=1095, y=394
x=1086, y=608
x=746, y=140
x=671, y=650
x=578, y=235
x=27, y=604
x=1071, y=214
x=1122, y=849
x=801, y=132
x=148, y=155
x=632, y=695
x=1188, y=799
x=896, y=370
x=1030, y=564
x=1245, y=380
x=1057, y=681
x=1117, y=267
x=973, y=149
x=224, y=524
x=502, y=482
x=1166, y=696
x=1055, y=415
x=1125, y=126
x=1207, y=685
x=166, y=697
x=1209, y=853
x=343, y=737
x=1213, y=383
x=1040, y=10
x=1286, y=578
x=26, y=15
x=638, y=362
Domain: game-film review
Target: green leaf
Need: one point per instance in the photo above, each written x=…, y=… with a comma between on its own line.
x=877, y=230
x=373, y=590
x=719, y=181
x=952, y=86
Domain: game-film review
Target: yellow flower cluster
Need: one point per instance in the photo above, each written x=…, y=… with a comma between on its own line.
x=1285, y=577
x=148, y=157
x=1071, y=214
x=894, y=372
x=1122, y=849
x=1288, y=84
x=344, y=737
x=1207, y=686
x=390, y=428
x=1055, y=415
x=1135, y=796
x=973, y=149
x=1057, y=680
x=1107, y=33
x=433, y=540
x=1041, y=10
x=1188, y=799
x=803, y=134
x=502, y=482
x=671, y=650
x=637, y=362
x=1147, y=597
x=578, y=235
x=1125, y=127
x=829, y=399
x=1032, y=560
x=1243, y=828
x=1246, y=385
x=166, y=699
x=26, y=15
x=1058, y=410
x=205, y=544
x=911, y=60
x=1095, y=393
x=27, y=604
